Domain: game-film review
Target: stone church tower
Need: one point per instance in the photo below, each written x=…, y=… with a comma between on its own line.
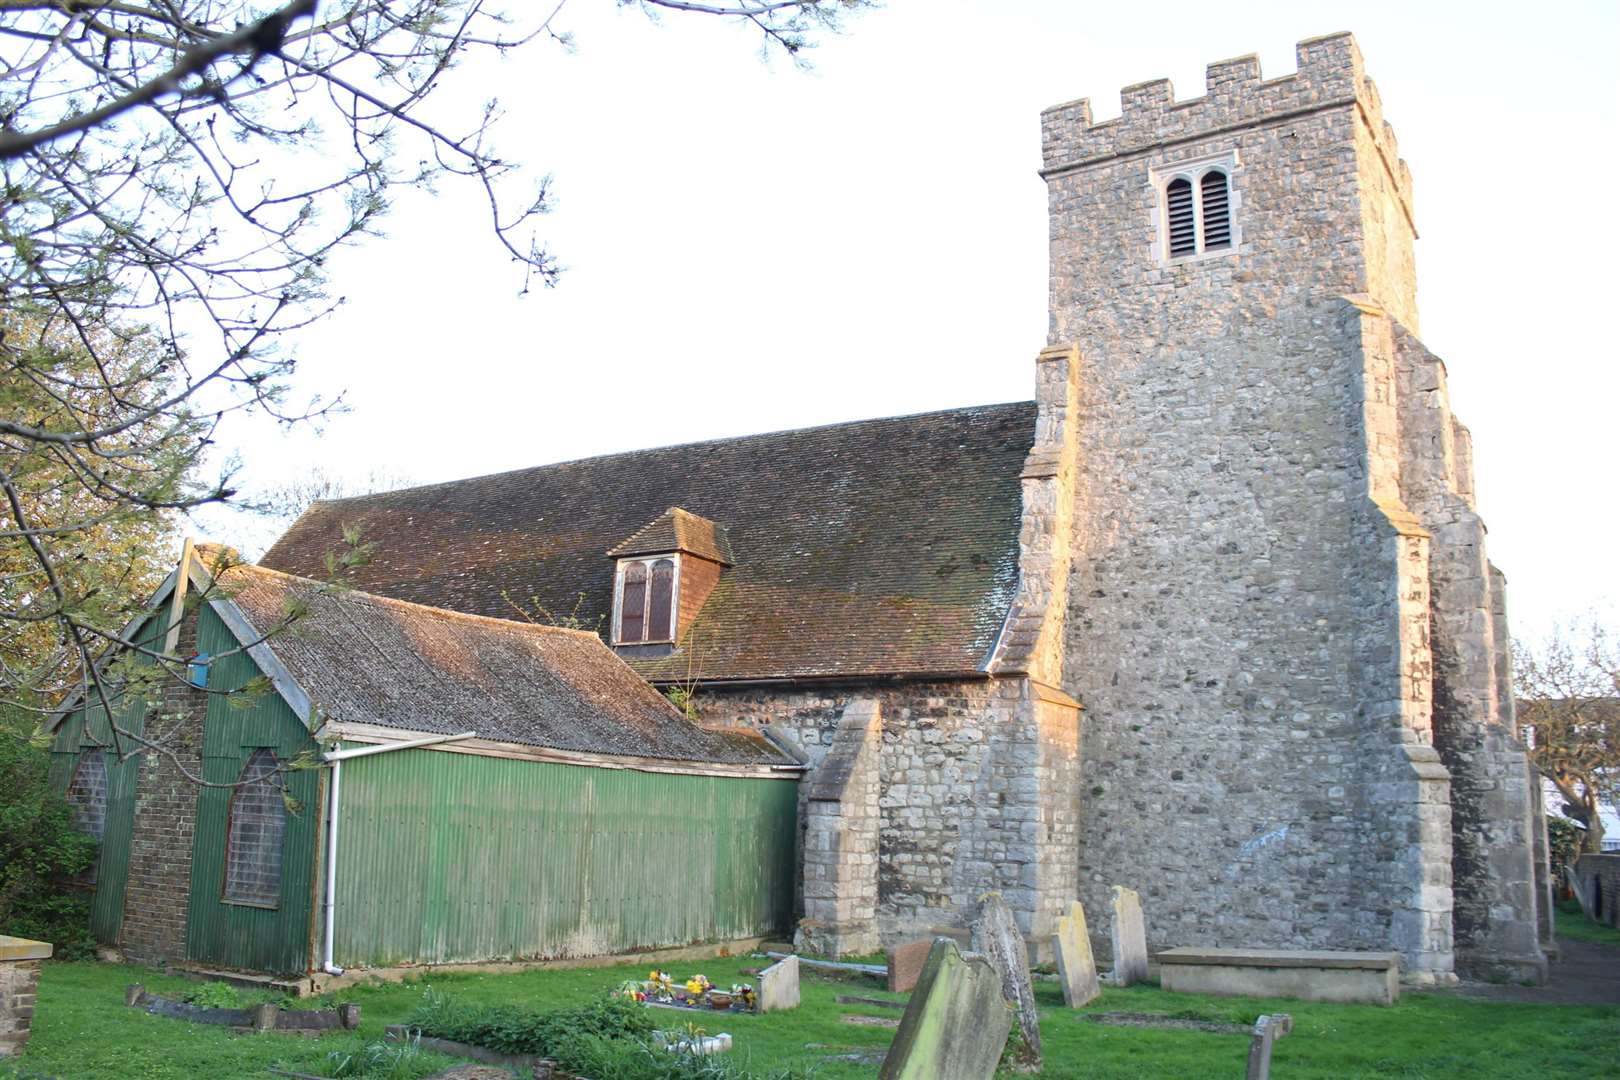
x=1281, y=622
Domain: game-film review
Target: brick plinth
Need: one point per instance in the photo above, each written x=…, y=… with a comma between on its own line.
x=19, y=982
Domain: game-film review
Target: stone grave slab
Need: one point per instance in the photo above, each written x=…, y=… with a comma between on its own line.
x=956, y=1024
x=1129, y=934
x=1077, y=968
x=906, y=964
x=778, y=986
x=1267, y=1030
x=996, y=935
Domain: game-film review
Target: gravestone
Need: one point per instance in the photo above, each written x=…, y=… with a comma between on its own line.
x=1130, y=938
x=956, y=1023
x=996, y=935
x=778, y=986
x=1077, y=968
x=906, y=963
x=1267, y=1030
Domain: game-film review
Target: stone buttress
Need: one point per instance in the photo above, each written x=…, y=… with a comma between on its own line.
x=1280, y=619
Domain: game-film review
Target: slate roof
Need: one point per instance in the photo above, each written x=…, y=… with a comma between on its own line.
x=677, y=530
x=880, y=547
x=365, y=659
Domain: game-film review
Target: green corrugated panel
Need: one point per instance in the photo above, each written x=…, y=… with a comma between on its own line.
x=235, y=935
x=112, y=867
x=453, y=857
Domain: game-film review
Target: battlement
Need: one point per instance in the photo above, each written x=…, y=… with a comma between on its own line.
x=1329, y=73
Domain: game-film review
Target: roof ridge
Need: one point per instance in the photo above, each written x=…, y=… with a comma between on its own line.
x=862, y=422
x=412, y=605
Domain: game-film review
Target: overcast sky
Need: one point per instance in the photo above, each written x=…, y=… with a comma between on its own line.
x=750, y=247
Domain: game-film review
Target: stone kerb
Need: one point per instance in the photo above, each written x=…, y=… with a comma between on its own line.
x=1129, y=934
x=956, y=1023
x=996, y=935
x=19, y=981
x=1077, y=968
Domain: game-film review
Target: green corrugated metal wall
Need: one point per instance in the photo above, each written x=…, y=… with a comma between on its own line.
x=453, y=857
x=112, y=866
x=235, y=935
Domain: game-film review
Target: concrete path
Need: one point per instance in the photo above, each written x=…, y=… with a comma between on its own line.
x=1586, y=974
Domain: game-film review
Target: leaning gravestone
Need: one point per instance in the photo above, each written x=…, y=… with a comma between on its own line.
x=956, y=1023
x=1077, y=968
x=1130, y=938
x=995, y=934
x=1267, y=1030
x=779, y=986
x=906, y=963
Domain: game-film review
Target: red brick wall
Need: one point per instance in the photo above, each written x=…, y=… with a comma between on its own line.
x=154, y=928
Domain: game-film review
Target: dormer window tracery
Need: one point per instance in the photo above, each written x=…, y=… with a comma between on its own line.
x=645, y=600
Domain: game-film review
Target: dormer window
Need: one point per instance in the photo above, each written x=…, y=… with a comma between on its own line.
x=665, y=573
x=644, y=600
x=1196, y=208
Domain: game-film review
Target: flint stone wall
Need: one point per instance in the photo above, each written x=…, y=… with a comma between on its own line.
x=1249, y=614
x=976, y=793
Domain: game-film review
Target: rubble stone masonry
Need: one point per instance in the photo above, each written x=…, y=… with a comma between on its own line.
x=1279, y=619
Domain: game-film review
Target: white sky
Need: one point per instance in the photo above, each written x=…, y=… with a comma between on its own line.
x=751, y=248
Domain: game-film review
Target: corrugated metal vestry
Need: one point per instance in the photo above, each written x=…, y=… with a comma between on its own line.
x=521, y=846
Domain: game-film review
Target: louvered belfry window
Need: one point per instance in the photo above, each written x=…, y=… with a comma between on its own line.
x=1198, y=207
x=87, y=794
x=258, y=823
x=1217, y=213
x=1178, y=206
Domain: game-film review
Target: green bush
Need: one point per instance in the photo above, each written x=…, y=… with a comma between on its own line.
x=608, y=1036
x=40, y=850
x=514, y=1030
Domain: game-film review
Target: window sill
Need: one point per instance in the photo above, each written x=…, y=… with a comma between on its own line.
x=250, y=904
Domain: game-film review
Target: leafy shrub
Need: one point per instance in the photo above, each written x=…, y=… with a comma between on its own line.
x=223, y=995
x=40, y=850
x=605, y=1037
x=514, y=1030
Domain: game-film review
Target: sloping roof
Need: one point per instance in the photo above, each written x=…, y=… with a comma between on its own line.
x=677, y=530
x=366, y=659
x=877, y=547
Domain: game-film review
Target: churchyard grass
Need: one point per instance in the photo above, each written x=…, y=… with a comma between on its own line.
x=83, y=1030
x=1573, y=923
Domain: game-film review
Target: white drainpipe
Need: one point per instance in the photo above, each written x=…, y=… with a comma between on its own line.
x=337, y=758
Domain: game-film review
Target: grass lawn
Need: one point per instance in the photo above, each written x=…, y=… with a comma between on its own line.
x=83, y=1031
x=1571, y=922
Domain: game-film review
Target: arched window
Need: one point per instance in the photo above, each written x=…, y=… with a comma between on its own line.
x=663, y=594
x=648, y=591
x=87, y=794
x=633, y=603
x=1178, y=208
x=1198, y=207
x=253, y=842
x=1217, y=213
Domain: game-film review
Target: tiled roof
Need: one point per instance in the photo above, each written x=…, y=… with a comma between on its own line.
x=364, y=659
x=877, y=547
x=677, y=530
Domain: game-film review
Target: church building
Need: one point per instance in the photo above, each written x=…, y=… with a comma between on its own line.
x=1211, y=617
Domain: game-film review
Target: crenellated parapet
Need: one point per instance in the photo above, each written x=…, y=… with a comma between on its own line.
x=1329, y=74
